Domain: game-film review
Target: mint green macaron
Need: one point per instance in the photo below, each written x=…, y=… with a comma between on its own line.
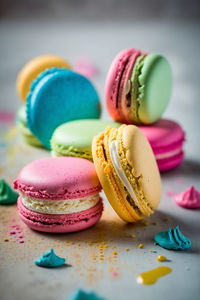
x=27, y=135
x=151, y=83
x=75, y=138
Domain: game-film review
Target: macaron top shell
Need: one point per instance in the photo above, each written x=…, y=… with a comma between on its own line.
x=144, y=167
x=33, y=68
x=58, y=179
x=155, y=88
x=163, y=135
x=56, y=97
x=78, y=134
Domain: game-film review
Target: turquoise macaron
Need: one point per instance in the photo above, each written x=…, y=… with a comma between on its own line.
x=75, y=138
x=58, y=96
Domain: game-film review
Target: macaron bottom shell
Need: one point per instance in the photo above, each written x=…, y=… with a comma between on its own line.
x=170, y=163
x=60, y=223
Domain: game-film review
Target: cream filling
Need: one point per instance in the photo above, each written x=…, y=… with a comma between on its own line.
x=59, y=206
x=113, y=149
x=168, y=154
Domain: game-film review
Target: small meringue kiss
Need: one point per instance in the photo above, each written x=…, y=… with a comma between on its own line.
x=190, y=198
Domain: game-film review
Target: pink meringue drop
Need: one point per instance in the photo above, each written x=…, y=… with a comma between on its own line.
x=190, y=198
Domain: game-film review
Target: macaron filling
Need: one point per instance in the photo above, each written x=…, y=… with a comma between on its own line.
x=168, y=154
x=50, y=206
x=113, y=150
x=136, y=87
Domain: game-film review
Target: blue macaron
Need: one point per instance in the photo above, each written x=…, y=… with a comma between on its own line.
x=58, y=96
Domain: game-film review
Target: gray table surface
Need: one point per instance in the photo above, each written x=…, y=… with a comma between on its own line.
x=19, y=277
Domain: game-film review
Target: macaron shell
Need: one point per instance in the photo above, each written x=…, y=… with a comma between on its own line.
x=164, y=136
x=75, y=138
x=171, y=162
x=110, y=182
x=60, y=223
x=59, y=96
x=33, y=68
x=58, y=178
x=156, y=86
x=27, y=135
x=140, y=156
x=124, y=97
x=113, y=80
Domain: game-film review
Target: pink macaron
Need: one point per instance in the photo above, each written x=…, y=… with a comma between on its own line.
x=59, y=194
x=166, y=138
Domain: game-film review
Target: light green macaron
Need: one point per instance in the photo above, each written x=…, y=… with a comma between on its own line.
x=75, y=138
x=151, y=83
x=27, y=135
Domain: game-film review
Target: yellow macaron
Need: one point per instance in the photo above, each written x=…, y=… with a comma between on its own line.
x=128, y=171
x=33, y=68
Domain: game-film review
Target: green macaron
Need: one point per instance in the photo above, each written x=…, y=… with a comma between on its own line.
x=75, y=138
x=27, y=135
x=151, y=83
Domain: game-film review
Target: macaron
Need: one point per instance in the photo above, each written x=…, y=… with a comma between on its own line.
x=138, y=87
x=59, y=194
x=128, y=171
x=33, y=68
x=75, y=138
x=27, y=135
x=166, y=138
x=58, y=96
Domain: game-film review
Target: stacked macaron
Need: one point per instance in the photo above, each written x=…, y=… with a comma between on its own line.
x=137, y=91
x=54, y=95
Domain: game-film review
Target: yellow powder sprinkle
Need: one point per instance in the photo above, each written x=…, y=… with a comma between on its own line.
x=127, y=249
x=140, y=246
x=133, y=235
x=6, y=239
x=161, y=258
x=114, y=252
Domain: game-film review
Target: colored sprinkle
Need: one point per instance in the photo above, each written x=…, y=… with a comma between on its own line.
x=20, y=236
x=140, y=246
x=114, y=253
x=161, y=258
x=12, y=232
x=127, y=249
x=21, y=241
x=6, y=239
x=133, y=235
x=150, y=277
